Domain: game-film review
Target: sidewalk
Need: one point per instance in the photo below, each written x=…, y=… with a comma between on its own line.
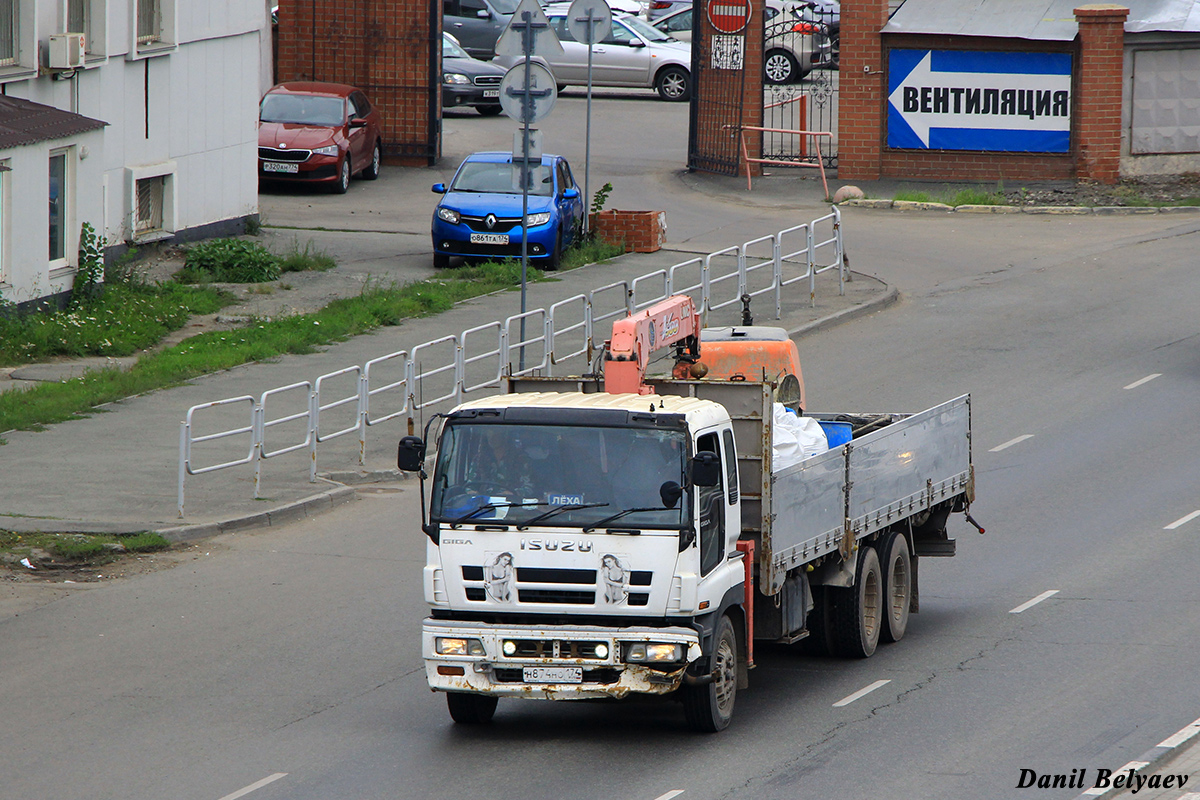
x=1177, y=756
x=117, y=471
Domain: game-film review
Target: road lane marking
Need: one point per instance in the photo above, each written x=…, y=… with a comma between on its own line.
x=863, y=692
x=1031, y=603
x=1146, y=379
x=670, y=794
x=1182, y=521
x=252, y=787
x=1011, y=442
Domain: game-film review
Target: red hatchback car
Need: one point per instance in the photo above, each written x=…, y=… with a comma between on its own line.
x=318, y=133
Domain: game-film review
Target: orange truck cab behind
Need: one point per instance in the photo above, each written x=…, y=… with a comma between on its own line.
x=746, y=352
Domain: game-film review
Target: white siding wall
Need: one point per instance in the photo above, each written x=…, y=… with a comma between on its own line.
x=203, y=106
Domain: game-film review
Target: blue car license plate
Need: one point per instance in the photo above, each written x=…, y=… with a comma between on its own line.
x=489, y=238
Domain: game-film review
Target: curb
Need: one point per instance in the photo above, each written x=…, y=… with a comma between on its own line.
x=913, y=205
x=299, y=509
x=847, y=314
x=1152, y=757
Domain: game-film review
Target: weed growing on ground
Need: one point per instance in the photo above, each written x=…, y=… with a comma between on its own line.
x=229, y=261
x=971, y=196
x=79, y=547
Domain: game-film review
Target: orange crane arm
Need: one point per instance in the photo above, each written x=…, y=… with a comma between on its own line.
x=674, y=321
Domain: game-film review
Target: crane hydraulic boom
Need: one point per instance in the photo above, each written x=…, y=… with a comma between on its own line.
x=673, y=321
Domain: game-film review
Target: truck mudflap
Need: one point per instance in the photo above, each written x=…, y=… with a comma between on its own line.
x=560, y=663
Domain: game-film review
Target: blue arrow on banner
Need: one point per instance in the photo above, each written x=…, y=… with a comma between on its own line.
x=985, y=101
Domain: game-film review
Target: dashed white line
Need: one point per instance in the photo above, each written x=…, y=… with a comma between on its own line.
x=256, y=785
x=863, y=692
x=1031, y=603
x=1182, y=735
x=1132, y=765
x=670, y=794
x=1146, y=379
x=1011, y=442
x=1182, y=521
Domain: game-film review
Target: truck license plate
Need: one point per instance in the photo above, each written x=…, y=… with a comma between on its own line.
x=489, y=238
x=491, y=92
x=280, y=166
x=553, y=674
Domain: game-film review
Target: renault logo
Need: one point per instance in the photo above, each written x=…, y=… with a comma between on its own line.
x=490, y=221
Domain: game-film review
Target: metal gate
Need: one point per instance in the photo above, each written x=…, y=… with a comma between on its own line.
x=800, y=90
x=716, y=111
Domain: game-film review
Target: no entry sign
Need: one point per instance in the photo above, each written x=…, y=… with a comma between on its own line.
x=729, y=16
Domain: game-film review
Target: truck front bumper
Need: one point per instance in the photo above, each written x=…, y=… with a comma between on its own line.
x=603, y=673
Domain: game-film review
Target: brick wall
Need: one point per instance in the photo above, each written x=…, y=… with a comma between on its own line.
x=387, y=48
x=636, y=231
x=726, y=97
x=1096, y=133
x=1098, y=94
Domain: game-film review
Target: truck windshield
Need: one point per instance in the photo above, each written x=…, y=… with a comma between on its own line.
x=526, y=470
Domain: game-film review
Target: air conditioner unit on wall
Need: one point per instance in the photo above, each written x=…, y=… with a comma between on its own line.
x=65, y=51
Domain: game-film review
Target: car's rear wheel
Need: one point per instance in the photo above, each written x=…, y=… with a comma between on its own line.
x=489, y=111
x=342, y=185
x=371, y=171
x=780, y=67
x=674, y=83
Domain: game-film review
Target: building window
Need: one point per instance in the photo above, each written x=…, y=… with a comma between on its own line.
x=79, y=20
x=149, y=21
x=148, y=215
x=58, y=205
x=8, y=32
x=4, y=205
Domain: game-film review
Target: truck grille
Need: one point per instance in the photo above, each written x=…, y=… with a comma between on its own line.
x=556, y=586
x=555, y=596
x=555, y=648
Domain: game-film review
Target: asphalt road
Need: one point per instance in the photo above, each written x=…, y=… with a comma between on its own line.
x=285, y=664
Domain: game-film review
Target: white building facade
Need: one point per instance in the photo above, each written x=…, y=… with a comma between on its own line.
x=176, y=84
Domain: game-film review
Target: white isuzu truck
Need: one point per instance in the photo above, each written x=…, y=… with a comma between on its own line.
x=605, y=536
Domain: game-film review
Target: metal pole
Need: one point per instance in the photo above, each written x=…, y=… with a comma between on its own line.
x=587, y=146
x=527, y=112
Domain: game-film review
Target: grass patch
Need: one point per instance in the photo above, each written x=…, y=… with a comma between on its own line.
x=310, y=259
x=971, y=196
x=79, y=548
x=229, y=261
x=122, y=320
x=375, y=307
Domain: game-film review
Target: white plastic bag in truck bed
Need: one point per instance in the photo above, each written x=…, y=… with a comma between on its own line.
x=794, y=438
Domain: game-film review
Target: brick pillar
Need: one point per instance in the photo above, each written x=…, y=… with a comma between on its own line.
x=1099, y=94
x=863, y=90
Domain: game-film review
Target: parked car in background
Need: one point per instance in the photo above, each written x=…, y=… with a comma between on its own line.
x=789, y=43
x=635, y=54
x=318, y=133
x=656, y=9
x=469, y=82
x=477, y=24
x=479, y=215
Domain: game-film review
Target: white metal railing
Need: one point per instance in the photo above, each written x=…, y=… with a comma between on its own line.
x=450, y=367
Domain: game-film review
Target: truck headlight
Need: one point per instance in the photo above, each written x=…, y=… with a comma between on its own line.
x=601, y=650
x=448, y=214
x=510, y=647
x=653, y=652
x=540, y=218
x=458, y=647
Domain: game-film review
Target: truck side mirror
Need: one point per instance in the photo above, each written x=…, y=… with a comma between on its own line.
x=670, y=492
x=706, y=469
x=410, y=456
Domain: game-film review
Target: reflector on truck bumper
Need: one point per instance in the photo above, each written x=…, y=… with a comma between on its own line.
x=556, y=664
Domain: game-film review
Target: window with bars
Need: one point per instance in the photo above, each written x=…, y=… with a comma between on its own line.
x=148, y=214
x=149, y=21
x=8, y=32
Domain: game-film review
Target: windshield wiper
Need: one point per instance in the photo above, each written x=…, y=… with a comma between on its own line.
x=617, y=516
x=524, y=526
x=489, y=507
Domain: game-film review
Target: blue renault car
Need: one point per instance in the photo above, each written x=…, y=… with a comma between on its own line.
x=479, y=215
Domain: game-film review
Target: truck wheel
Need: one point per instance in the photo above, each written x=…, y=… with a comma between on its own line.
x=470, y=709
x=709, y=708
x=896, y=565
x=819, y=641
x=858, y=611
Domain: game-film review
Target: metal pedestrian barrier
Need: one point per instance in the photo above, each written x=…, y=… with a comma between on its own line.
x=569, y=335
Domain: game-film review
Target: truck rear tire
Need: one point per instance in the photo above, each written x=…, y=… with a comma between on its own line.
x=896, y=565
x=858, y=611
x=819, y=641
x=470, y=709
x=709, y=708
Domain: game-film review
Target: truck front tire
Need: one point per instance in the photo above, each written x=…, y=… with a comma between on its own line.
x=470, y=709
x=709, y=708
x=857, y=612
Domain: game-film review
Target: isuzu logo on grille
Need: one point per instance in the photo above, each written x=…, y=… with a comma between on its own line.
x=554, y=544
x=490, y=221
